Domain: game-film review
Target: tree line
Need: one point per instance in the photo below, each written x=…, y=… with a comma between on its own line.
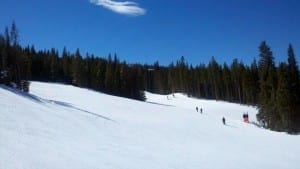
x=15, y=63
x=275, y=90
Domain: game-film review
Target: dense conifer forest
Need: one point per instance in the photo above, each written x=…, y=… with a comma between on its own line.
x=273, y=88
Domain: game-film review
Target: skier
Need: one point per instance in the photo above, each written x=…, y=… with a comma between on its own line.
x=223, y=120
x=197, y=109
x=201, y=110
x=246, y=117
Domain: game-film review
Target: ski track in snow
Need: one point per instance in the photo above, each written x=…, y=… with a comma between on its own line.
x=61, y=126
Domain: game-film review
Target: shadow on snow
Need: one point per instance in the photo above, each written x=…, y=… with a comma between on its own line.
x=43, y=101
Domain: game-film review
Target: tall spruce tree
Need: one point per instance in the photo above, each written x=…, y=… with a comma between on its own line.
x=227, y=79
x=3, y=59
x=66, y=59
x=268, y=115
x=294, y=90
x=254, y=83
x=214, y=78
x=236, y=74
x=284, y=98
x=77, y=68
x=109, y=75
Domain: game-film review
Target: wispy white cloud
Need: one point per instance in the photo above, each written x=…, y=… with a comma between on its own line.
x=126, y=8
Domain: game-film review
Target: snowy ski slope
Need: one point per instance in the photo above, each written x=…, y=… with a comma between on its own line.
x=64, y=127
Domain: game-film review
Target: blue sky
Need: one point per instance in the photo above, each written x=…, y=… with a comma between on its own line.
x=145, y=31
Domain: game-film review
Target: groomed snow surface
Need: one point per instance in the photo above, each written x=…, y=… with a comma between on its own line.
x=64, y=127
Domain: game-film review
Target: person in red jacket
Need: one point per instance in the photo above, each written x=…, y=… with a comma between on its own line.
x=246, y=118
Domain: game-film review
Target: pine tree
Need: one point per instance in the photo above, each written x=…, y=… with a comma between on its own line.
x=284, y=98
x=100, y=74
x=3, y=60
x=268, y=115
x=294, y=90
x=236, y=74
x=204, y=82
x=215, y=78
x=77, y=68
x=14, y=56
x=181, y=73
x=253, y=84
x=109, y=75
x=14, y=35
x=171, y=78
x=54, y=65
x=116, y=75
x=25, y=69
x=66, y=64
x=228, y=85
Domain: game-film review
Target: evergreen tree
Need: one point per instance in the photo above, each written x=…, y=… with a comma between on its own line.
x=204, y=83
x=253, y=85
x=14, y=35
x=14, y=57
x=236, y=75
x=268, y=115
x=215, y=78
x=294, y=90
x=109, y=75
x=171, y=78
x=116, y=75
x=25, y=67
x=14, y=66
x=3, y=57
x=77, y=68
x=66, y=60
x=284, y=98
x=54, y=65
x=228, y=85
x=100, y=74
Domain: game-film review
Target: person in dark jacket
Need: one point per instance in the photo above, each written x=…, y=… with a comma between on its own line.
x=223, y=120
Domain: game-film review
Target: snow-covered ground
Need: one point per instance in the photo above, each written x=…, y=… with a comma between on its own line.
x=63, y=127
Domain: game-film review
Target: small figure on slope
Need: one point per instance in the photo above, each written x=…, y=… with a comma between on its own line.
x=223, y=120
x=246, y=117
